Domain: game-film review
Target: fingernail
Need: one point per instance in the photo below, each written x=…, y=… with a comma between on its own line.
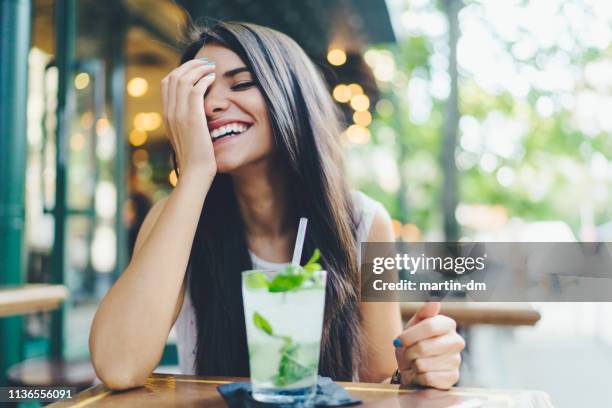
x=203, y=58
x=211, y=75
x=397, y=343
x=210, y=63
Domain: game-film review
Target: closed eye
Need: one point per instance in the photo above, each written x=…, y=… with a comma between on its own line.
x=243, y=85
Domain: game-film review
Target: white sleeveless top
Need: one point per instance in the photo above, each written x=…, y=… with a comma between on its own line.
x=185, y=325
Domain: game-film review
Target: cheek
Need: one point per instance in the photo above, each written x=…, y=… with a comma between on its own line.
x=263, y=131
x=260, y=143
x=265, y=127
x=255, y=145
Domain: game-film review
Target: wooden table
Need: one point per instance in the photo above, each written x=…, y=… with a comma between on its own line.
x=470, y=313
x=167, y=390
x=30, y=298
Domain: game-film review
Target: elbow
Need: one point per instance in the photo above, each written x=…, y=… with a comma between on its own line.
x=116, y=374
x=118, y=377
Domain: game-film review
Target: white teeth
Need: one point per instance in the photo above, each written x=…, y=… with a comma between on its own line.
x=231, y=127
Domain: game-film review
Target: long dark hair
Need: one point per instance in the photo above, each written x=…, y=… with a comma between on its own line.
x=306, y=128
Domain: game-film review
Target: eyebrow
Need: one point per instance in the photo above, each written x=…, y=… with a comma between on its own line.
x=235, y=71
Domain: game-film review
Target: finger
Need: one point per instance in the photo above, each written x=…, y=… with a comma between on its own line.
x=444, y=362
x=177, y=73
x=196, y=96
x=185, y=87
x=175, y=101
x=437, y=346
x=430, y=327
x=427, y=309
x=442, y=380
x=402, y=362
x=407, y=376
x=173, y=79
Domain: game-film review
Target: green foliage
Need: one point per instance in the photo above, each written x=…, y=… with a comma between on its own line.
x=290, y=278
x=551, y=147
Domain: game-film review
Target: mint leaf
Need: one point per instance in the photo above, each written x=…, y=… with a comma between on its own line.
x=291, y=277
x=257, y=280
x=290, y=370
x=284, y=283
x=314, y=258
x=262, y=324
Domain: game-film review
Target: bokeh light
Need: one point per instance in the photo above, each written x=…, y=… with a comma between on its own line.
x=147, y=121
x=172, y=178
x=384, y=108
x=342, y=93
x=360, y=102
x=81, y=81
x=137, y=137
x=363, y=118
x=358, y=134
x=102, y=126
x=355, y=89
x=336, y=56
x=137, y=87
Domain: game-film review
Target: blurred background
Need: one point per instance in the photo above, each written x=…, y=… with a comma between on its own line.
x=473, y=121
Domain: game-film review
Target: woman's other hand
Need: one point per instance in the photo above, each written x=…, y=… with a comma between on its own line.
x=428, y=351
x=183, y=92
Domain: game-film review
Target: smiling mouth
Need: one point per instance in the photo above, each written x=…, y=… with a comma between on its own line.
x=231, y=129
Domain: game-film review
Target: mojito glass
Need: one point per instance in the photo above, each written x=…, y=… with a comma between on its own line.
x=284, y=320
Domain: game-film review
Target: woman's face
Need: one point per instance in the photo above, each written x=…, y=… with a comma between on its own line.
x=236, y=112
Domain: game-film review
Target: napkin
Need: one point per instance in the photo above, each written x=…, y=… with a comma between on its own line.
x=329, y=394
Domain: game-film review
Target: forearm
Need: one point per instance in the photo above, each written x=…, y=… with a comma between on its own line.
x=133, y=320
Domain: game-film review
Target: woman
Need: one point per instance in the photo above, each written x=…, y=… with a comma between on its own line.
x=255, y=135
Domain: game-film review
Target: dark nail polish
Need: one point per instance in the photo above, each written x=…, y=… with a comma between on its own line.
x=397, y=343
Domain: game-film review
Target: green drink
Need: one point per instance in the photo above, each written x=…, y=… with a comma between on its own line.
x=284, y=318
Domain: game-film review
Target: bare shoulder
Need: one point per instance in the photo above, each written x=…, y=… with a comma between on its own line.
x=381, y=229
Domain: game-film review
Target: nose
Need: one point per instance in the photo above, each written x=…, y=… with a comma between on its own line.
x=215, y=101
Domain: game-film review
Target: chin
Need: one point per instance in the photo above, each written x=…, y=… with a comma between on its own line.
x=228, y=165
